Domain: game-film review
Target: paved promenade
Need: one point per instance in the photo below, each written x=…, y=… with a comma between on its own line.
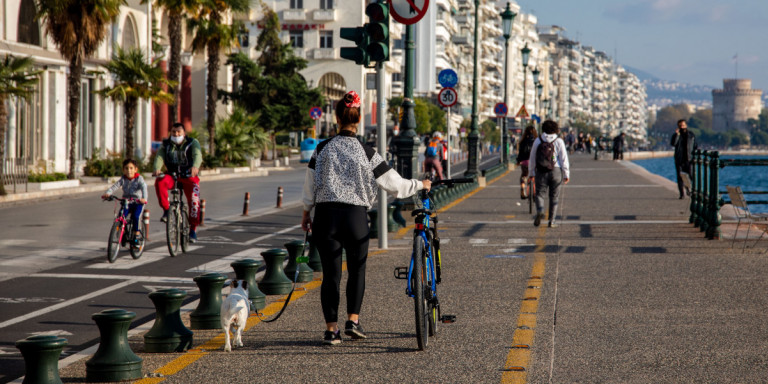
x=624, y=290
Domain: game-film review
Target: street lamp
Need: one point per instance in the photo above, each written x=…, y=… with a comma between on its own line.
x=473, y=138
x=526, y=53
x=507, y=16
x=535, y=74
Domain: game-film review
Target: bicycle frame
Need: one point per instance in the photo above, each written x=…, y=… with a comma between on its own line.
x=422, y=229
x=122, y=216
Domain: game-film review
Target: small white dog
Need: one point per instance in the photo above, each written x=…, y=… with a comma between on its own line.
x=234, y=312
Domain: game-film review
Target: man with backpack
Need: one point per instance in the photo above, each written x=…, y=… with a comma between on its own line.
x=549, y=169
x=433, y=155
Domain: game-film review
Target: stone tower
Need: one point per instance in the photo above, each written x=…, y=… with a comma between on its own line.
x=733, y=105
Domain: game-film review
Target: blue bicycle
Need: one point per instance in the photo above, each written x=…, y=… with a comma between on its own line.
x=423, y=272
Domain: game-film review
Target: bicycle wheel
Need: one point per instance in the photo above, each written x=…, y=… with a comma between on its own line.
x=432, y=306
x=184, y=229
x=137, y=248
x=172, y=232
x=419, y=293
x=113, y=246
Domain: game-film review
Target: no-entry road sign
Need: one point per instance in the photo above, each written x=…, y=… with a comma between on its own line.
x=408, y=11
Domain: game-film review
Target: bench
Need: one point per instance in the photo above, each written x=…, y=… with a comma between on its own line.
x=743, y=214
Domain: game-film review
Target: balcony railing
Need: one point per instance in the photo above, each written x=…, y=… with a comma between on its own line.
x=324, y=54
x=324, y=15
x=294, y=15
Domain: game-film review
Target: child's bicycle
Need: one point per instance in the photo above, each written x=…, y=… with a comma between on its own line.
x=123, y=232
x=423, y=272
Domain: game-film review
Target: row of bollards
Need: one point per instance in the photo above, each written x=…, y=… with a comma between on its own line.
x=247, y=202
x=115, y=361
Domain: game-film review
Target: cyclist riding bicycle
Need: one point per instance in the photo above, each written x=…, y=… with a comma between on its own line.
x=182, y=155
x=133, y=186
x=433, y=156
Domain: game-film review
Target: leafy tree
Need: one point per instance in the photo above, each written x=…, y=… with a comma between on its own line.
x=211, y=36
x=429, y=117
x=273, y=86
x=17, y=79
x=667, y=117
x=239, y=137
x=175, y=10
x=423, y=121
x=759, y=138
x=77, y=28
x=490, y=132
x=135, y=79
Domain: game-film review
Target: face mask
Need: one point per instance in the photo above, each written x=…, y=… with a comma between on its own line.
x=177, y=139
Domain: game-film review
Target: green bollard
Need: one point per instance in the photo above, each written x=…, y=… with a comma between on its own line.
x=314, y=256
x=392, y=225
x=168, y=334
x=715, y=219
x=706, y=177
x=207, y=315
x=296, y=249
x=373, y=216
x=41, y=358
x=114, y=360
x=245, y=269
x=694, y=186
x=274, y=281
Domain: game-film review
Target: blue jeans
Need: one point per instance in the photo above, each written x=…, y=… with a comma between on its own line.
x=134, y=209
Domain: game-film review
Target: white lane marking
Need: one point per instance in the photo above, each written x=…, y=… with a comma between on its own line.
x=280, y=232
x=51, y=258
x=586, y=222
x=223, y=264
x=190, y=290
x=478, y=241
x=149, y=256
x=15, y=242
x=445, y=241
x=55, y=332
x=516, y=241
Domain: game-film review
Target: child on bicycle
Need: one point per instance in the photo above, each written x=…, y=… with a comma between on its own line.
x=133, y=186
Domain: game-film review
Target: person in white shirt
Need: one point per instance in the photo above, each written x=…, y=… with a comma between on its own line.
x=549, y=172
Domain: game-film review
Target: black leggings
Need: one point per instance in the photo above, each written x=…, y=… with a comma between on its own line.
x=337, y=226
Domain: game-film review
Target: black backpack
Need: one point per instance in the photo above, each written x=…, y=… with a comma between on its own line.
x=545, y=157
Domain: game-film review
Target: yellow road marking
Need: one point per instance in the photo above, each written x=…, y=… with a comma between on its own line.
x=516, y=366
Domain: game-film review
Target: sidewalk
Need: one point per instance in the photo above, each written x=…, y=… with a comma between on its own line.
x=624, y=290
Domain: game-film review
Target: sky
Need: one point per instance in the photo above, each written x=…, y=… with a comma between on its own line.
x=690, y=41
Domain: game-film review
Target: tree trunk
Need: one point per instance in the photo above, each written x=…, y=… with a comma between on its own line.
x=73, y=95
x=130, y=119
x=213, y=71
x=174, y=66
x=3, y=126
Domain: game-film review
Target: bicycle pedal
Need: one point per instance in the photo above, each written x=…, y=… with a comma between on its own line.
x=401, y=273
x=448, y=319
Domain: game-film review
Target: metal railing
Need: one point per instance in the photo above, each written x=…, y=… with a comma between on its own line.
x=15, y=173
x=706, y=197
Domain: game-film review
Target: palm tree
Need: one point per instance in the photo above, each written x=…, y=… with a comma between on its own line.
x=17, y=79
x=176, y=10
x=77, y=27
x=211, y=36
x=134, y=79
x=239, y=137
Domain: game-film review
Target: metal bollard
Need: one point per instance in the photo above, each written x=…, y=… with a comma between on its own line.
x=295, y=249
x=114, y=360
x=279, y=197
x=168, y=334
x=146, y=224
x=202, y=213
x=207, y=313
x=246, y=203
x=274, y=281
x=245, y=269
x=41, y=358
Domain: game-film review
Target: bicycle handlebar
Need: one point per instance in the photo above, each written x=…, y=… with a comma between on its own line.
x=129, y=199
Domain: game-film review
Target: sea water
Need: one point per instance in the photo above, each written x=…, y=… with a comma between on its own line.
x=749, y=178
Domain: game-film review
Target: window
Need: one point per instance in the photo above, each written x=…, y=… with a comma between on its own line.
x=297, y=38
x=326, y=39
x=397, y=77
x=399, y=44
x=297, y=4
x=326, y=4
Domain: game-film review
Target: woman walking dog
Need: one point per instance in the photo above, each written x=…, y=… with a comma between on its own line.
x=341, y=184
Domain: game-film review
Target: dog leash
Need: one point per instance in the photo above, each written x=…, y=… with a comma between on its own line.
x=303, y=258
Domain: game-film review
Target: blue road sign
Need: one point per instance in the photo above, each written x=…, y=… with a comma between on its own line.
x=448, y=78
x=500, y=109
x=315, y=113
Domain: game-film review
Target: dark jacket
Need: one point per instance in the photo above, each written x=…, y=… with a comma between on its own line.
x=179, y=158
x=524, y=152
x=679, y=151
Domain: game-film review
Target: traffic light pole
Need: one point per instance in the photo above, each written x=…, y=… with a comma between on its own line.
x=381, y=136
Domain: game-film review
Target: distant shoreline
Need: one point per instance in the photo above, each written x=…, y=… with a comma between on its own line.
x=657, y=154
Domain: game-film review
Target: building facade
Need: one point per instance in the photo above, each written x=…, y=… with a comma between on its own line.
x=734, y=104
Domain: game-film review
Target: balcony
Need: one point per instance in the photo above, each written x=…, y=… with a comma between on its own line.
x=300, y=52
x=324, y=15
x=294, y=15
x=324, y=54
x=463, y=39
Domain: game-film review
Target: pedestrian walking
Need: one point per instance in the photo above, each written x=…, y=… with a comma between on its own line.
x=684, y=142
x=341, y=184
x=618, y=147
x=523, y=156
x=549, y=170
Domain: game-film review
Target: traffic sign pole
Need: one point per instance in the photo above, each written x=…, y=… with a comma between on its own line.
x=381, y=137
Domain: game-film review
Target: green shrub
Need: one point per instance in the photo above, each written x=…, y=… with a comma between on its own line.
x=111, y=166
x=45, y=177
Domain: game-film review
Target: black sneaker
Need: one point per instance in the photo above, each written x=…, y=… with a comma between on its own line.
x=354, y=330
x=332, y=338
x=164, y=219
x=537, y=220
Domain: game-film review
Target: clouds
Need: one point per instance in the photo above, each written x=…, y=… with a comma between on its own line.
x=672, y=11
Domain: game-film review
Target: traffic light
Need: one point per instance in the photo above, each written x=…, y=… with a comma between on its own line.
x=377, y=31
x=356, y=54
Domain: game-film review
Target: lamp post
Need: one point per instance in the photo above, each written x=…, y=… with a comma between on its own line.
x=507, y=16
x=525, y=52
x=539, y=108
x=473, y=137
x=408, y=141
x=536, y=84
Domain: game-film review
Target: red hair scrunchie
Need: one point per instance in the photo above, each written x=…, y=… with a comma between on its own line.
x=355, y=100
